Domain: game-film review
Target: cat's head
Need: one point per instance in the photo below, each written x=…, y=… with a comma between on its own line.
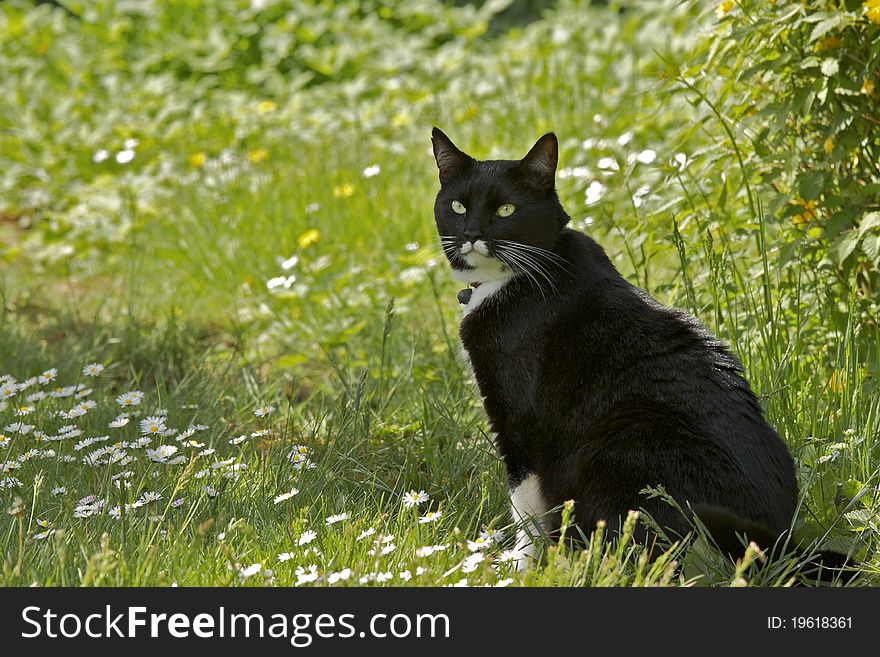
x=495, y=215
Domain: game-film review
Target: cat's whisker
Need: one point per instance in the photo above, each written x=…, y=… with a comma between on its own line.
x=530, y=263
x=554, y=258
x=510, y=260
x=540, y=265
x=530, y=267
x=551, y=257
x=535, y=260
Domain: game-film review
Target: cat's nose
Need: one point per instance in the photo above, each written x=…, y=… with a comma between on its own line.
x=473, y=235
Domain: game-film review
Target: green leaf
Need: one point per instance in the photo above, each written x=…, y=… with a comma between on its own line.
x=871, y=247
x=845, y=245
x=825, y=26
x=862, y=519
x=811, y=185
x=869, y=221
x=291, y=360
x=830, y=67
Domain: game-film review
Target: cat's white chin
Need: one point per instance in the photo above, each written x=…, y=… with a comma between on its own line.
x=485, y=270
x=487, y=276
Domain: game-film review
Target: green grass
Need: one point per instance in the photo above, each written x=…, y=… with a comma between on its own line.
x=158, y=269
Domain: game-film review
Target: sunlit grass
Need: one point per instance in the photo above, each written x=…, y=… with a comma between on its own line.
x=283, y=253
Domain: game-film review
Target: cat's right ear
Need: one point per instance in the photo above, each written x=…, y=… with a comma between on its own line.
x=539, y=165
x=450, y=160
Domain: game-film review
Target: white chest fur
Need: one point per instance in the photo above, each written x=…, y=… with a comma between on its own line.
x=481, y=293
x=490, y=273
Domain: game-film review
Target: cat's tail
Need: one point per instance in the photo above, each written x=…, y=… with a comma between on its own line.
x=726, y=529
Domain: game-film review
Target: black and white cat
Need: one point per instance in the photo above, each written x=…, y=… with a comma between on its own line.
x=593, y=389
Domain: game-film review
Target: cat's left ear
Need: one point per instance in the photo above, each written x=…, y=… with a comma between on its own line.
x=539, y=165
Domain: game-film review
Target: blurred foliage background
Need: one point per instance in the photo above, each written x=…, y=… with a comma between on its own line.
x=260, y=172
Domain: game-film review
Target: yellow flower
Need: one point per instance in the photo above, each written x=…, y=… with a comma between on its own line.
x=867, y=87
x=836, y=381
x=808, y=214
x=829, y=146
x=258, y=155
x=308, y=238
x=265, y=107
x=724, y=8
x=827, y=43
x=197, y=160
x=872, y=10
x=343, y=191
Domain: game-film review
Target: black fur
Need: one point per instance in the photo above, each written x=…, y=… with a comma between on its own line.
x=592, y=384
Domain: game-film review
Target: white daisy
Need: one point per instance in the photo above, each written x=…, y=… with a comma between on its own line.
x=93, y=369
x=149, y=497
x=153, y=425
x=125, y=156
x=508, y=556
x=119, y=422
x=162, y=453
x=364, y=534
x=478, y=544
x=492, y=535
x=263, y=411
x=60, y=393
x=285, y=496
x=430, y=516
x=48, y=376
x=250, y=571
x=306, y=575
x=424, y=551
x=470, y=564
x=414, y=498
x=132, y=398
x=307, y=537
x=339, y=517
x=19, y=427
x=300, y=461
x=8, y=389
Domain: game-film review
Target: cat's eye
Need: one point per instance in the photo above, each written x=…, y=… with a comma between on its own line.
x=458, y=208
x=505, y=210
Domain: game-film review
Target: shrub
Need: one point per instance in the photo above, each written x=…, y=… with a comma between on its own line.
x=797, y=85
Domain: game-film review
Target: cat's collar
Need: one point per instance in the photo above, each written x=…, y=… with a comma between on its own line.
x=464, y=296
